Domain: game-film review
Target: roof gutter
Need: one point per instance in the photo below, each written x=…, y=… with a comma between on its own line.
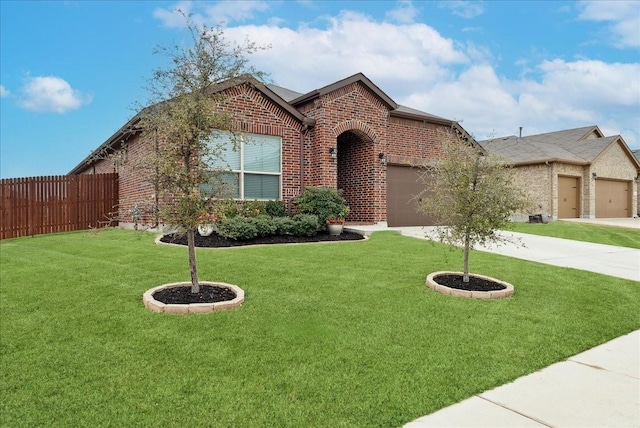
x=120, y=136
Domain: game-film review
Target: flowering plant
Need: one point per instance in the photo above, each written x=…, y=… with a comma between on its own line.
x=207, y=218
x=335, y=220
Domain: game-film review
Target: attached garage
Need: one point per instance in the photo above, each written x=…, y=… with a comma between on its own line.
x=403, y=185
x=613, y=198
x=568, y=197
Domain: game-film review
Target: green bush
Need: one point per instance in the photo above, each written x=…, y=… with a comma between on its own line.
x=305, y=225
x=238, y=228
x=252, y=208
x=244, y=228
x=276, y=209
x=323, y=202
x=264, y=225
x=284, y=225
x=226, y=209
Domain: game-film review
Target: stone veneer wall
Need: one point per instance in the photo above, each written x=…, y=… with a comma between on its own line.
x=536, y=181
x=614, y=163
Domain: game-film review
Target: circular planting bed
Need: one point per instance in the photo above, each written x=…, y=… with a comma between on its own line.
x=478, y=287
x=176, y=298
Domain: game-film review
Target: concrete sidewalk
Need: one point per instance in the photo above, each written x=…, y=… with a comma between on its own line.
x=597, y=388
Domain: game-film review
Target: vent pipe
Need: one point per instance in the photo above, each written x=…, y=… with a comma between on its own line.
x=520, y=132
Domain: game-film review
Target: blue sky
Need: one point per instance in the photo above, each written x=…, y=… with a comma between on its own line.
x=71, y=71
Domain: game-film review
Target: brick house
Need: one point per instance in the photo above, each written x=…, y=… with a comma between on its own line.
x=348, y=135
x=575, y=173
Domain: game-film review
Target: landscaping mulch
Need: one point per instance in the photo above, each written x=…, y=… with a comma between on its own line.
x=474, y=284
x=183, y=295
x=216, y=241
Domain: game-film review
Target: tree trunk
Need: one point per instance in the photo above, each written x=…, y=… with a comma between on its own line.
x=191, y=243
x=465, y=274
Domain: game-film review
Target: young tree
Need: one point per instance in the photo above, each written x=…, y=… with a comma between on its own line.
x=184, y=119
x=473, y=194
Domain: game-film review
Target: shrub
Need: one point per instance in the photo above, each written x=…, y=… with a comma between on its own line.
x=264, y=225
x=284, y=225
x=245, y=228
x=276, y=209
x=305, y=225
x=324, y=202
x=225, y=209
x=238, y=229
x=252, y=208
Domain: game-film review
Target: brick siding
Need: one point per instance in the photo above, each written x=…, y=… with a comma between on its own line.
x=352, y=119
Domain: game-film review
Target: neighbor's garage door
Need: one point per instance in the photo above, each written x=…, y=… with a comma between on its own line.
x=403, y=184
x=568, y=191
x=612, y=198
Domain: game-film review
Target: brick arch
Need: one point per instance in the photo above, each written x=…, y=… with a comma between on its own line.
x=361, y=129
x=356, y=170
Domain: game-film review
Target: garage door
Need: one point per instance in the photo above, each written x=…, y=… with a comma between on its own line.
x=612, y=198
x=568, y=197
x=403, y=184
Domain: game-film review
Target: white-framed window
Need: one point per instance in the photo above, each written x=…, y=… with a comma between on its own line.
x=254, y=168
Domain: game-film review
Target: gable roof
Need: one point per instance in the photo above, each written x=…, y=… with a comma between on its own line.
x=580, y=146
x=286, y=99
x=130, y=128
x=358, y=77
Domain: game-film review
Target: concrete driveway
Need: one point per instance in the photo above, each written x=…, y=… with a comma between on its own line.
x=606, y=259
x=633, y=223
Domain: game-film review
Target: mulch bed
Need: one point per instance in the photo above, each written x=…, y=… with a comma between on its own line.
x=183, y=295
x=474, y=284
x=216, y=241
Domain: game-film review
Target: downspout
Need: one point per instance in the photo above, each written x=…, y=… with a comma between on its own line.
x=303, y=132
x=306, y=124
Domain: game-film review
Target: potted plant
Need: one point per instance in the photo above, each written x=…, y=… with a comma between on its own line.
x=326, y=203
x=335, y=225
x=206, y=224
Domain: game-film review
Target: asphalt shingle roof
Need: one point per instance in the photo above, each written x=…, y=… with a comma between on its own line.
x=572, y=145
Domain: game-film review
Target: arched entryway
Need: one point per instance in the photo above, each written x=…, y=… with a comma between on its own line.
x=356, y=174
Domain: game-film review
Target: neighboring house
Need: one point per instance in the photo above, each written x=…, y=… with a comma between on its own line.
x=348, y=135
x=576, y=173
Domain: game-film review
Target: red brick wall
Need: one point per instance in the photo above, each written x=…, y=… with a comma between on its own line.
x=253, y=114
x=351, y=119
x=358, y=170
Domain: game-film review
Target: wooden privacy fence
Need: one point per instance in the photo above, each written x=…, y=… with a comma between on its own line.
x=38, y=205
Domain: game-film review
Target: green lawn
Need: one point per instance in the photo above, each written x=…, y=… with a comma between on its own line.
x=610, y=235
x=330, y=335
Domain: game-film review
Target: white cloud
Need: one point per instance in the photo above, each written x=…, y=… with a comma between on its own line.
x=463, y=9
x=51, y=94
x=405, y=13
x=623, y=16
x=565, y=95
x=418, y=67
x=224, y=12
x=397, y=57
x=172, y=17
x=4, y=92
